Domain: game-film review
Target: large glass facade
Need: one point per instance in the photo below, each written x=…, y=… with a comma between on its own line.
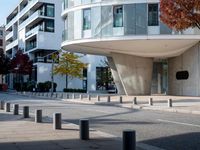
x=118, y=16
x=153, y=15
x=106, y=21
x=86, y=19
x=112, y=20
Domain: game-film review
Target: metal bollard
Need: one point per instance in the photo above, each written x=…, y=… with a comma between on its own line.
x=170, y=103
x=151, y=101
x=16, y=109
x=2, y=103
x=73, y=96
x=98, y=98
x=108, y=99
x=89, y=97
x=7, y=107
x=129, y=140
x=84, y=129
x=81, y=96
x=121, y=99
x=57, y=121
x=26, y=111
x=38, y=116
x=135, y=101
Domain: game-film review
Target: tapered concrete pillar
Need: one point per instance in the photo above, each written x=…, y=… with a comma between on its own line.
x=116, y=77
x=135, y=73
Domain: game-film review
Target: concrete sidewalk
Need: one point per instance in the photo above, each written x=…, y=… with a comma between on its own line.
x=181, y=104
x=17, y=133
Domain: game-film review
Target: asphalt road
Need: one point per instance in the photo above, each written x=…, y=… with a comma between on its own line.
x=165, y=130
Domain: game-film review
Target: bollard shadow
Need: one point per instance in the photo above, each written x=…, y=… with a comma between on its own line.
x=62, y=144
x=9, y=117
x=187, y=141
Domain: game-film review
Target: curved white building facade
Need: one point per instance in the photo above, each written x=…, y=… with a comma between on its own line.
x=131, y=34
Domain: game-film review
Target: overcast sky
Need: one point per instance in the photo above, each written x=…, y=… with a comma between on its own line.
x=6, y=6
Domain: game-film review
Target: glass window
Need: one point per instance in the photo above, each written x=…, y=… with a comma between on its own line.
x=1, y=42
x=86, y=19
x=153, y=15
x=49, y=26
x=1, y=33
x=65, y=4
x=50, y=10
x=118, y=16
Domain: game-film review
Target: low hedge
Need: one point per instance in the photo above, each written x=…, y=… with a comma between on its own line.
x=74, y=90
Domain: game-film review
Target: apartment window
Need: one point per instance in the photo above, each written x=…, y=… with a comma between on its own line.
x=49, y=25
x=50, y=11
x=65, y=4
x=1, y=33
x=153, y=15
x=86, y=19
x=1, y=42
x=118, y=16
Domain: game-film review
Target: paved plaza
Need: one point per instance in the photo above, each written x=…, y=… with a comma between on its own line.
x=155, y=130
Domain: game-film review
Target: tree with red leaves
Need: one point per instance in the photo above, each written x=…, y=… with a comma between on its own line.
x=180, y=14
x=21, y=65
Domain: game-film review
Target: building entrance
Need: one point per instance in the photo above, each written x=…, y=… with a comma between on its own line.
x=160, y=77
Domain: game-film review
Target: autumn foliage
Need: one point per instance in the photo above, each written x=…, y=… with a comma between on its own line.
x=180, y=14
x=21, y=63
x=70, y=65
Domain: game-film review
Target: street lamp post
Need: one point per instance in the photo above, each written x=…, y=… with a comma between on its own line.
x=52, y=78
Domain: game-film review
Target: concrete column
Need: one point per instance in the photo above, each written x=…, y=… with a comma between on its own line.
x=57, y=121
x=135, y=73
x=84, y=129
x=15, y=109
x=26, y=111
x=7, y=107
x=38, y=116
x=116, y=77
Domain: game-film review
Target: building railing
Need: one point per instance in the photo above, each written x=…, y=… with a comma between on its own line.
x=31, y=46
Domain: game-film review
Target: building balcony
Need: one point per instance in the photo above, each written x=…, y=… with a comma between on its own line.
x=30, y=47
x=31, y=4
x=33, y=32
x=11, y=23
x=9, y=36
x=12, y=45
x=42, y=60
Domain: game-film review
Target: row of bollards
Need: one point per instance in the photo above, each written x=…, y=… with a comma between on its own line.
x=129, y=136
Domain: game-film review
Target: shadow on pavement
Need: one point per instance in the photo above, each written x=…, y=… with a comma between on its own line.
x=187, y=141
x=68, y=144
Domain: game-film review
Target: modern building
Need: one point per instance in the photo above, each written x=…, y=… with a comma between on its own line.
x=146, y=56
x=2, y=43
x=35, y=27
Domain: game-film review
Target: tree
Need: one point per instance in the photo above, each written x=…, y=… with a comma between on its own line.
x=4, y=64
x=21, y=65
x=180, y=14
x=69, y=64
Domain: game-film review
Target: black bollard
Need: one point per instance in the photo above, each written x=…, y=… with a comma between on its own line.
x=57, y=121
x=84, y=129
x=16, y=109
x=129, y=140
x=38, y=116
x=26, y=111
